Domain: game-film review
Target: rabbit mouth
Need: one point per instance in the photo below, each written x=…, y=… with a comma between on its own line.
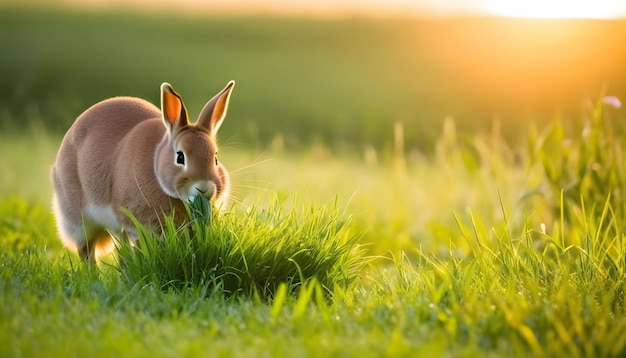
x=205, y=189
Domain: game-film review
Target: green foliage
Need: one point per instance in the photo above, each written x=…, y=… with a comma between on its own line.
x=22, y=223
x=503, y=285
x=340, y=81
x=295, y=77
x=586, y=166
x=468, y=265
x=513, y=297
x=246, y=252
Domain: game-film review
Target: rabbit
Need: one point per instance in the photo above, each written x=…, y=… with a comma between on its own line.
x=125, y=154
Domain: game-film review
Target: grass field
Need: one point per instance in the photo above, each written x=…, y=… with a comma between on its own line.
x=477, y=245
x=342, y=82
x=464, y=264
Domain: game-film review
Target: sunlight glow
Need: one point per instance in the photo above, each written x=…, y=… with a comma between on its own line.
x=593, y=9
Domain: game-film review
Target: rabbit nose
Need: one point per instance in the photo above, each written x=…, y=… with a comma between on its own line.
x=205, y=189
x=201, y=188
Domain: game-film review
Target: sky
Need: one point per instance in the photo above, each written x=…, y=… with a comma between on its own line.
x=523, y=8
x=513, y=8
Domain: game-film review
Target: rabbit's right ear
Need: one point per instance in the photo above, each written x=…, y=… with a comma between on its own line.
x=172, y=108
x=214, y=112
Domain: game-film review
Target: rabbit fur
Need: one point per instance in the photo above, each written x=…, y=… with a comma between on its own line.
x=125, y=154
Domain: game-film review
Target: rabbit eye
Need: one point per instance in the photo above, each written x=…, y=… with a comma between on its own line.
x=180, y=158
x=216, y=158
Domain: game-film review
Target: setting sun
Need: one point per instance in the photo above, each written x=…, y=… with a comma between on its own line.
x=600, y=9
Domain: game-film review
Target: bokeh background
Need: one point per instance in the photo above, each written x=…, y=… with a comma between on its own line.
x=336, y=76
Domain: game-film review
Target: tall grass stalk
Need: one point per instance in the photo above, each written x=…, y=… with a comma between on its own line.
x=585, y=162
x=525, y=287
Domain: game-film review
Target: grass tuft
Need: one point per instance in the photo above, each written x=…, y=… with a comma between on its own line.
x=251, y=252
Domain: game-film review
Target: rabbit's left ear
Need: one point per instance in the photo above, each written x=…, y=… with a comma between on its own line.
x=172, y=108
x=214, y=111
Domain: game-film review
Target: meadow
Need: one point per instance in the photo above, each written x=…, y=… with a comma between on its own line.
x=460, y=237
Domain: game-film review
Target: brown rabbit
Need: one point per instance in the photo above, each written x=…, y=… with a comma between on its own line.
x=123, y=153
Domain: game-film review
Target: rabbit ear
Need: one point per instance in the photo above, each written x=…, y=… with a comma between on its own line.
x=214, y=111
x=172, y=107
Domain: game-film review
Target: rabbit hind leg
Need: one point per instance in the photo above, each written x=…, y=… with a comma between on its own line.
x=80, y=234
x=98, y=244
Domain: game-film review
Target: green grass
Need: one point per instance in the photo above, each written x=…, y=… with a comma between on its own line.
x=465, y=243
x=468, y=261
x=252, y=252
